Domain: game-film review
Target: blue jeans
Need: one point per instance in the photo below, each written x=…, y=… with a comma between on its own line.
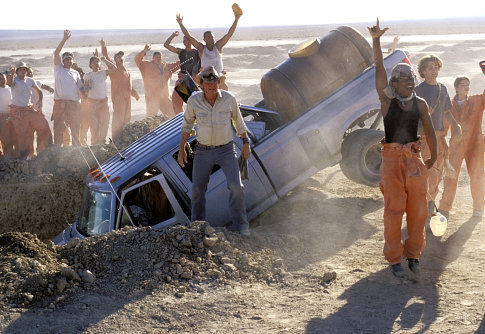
x=204, y=160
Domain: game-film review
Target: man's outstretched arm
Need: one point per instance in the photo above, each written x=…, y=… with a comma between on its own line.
x=57, y=51
x=198, y=45
x=223, y=41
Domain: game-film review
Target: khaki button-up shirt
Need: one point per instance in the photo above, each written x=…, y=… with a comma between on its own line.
x=213, y=122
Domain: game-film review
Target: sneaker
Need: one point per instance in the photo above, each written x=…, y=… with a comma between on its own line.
x=413, y=265
x=477, y=213
x=397, y=270
x=446, y=214
x=242, y=229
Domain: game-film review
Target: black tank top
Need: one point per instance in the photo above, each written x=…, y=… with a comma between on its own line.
x=192, y=66
x=401, y=126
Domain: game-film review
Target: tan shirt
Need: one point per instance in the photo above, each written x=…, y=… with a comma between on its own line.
x=213, y=122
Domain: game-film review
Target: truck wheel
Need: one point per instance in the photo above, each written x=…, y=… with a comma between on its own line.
x=361, y=156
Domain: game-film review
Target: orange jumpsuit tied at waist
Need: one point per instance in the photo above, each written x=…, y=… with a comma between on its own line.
x=121, y=92
x=404, y=186
x=471, y=148
x=98, y=120
x=435, y=173
x=7, y=135
x=25, y=121
x=67, y=111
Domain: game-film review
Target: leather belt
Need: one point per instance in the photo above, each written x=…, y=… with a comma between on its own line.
x=211, y=147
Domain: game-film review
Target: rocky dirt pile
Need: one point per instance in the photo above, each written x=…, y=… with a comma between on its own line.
x=179, y=259
x=27, y=268
x=42, y=195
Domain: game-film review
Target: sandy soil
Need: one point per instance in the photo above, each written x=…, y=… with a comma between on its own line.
x=313, y=264
x=333, y=226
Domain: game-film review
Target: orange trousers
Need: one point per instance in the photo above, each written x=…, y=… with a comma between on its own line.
x=403, y=184
x=98, y=120
x=83, y=131
x=121, y=113
x=436, y=172
x=69, y=112
x=162, y=103
x=7, y=135
x=473, y=155
x=25, y=122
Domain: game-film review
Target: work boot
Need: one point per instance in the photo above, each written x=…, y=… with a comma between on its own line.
x=413, y=265
x=397, y=270
x=445, y=214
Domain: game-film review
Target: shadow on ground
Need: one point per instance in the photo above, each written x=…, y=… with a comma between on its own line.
x=380, y=303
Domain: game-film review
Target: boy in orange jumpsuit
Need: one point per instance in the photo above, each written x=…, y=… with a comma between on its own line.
x=121, y=90
x=156, y=75
x=25, y=119
x=436, y=96
x=468, y=111
x=403, y=173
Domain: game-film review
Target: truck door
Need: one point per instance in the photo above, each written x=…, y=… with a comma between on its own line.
x=258, y=190
x=150, y=203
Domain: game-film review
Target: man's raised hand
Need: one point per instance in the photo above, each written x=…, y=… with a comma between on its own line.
x=376, y=30
x=179, y=18
x=67, y=34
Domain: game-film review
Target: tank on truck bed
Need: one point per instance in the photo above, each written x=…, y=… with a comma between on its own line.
x=145, y=186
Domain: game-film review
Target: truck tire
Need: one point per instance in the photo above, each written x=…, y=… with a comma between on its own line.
x=361, y=156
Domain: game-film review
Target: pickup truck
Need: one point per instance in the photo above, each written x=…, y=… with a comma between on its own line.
x=145, y=186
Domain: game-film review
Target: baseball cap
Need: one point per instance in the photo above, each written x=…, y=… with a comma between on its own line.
x=20, y=65
x=66, y=55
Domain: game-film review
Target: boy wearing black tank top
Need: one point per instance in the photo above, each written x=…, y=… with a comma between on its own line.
x=403, y=172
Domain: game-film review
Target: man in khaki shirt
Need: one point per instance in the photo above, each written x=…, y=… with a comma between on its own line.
x=213, y=110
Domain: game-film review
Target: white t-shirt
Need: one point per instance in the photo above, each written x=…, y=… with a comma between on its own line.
x=212, y=58
x=21, y=91
x=66, y=83
x=5, y=99
x=97, y=84
x=35, y=98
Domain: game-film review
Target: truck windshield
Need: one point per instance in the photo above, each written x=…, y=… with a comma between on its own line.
x=94, y=217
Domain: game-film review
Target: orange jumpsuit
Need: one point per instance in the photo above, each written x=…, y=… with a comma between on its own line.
x=98, y=120
x=121, y=92
x=26, y=121
x=83, y=132
x=471, y=148
x=155, y=82
x=69, y=112
x=403, y=184
x=7, y=135
x=435, y=173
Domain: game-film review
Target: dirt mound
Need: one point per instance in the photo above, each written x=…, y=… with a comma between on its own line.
x=197, y=253
x=178, y=260
x=27, y=268
x=136, y=130
x=43, y=195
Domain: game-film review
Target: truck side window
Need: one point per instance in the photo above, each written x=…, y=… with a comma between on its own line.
x=261, y=123
x=147, y=205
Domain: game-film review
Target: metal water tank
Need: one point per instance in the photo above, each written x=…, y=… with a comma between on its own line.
x=315, y=69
